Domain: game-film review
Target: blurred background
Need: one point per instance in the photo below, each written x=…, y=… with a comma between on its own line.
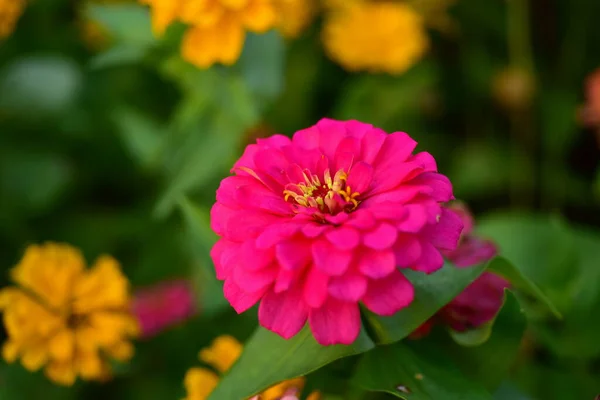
x=111, y=142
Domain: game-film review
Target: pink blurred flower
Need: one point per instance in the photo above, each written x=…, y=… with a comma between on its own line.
x=163, y=305
x=312, y=225
x=590, y=112
x=471, y=249
x=482, y=299
x=477, y=304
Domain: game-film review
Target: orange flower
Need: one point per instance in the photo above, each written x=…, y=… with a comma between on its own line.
x=65, y=317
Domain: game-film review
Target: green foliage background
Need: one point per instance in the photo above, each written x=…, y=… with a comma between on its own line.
x=120, y=151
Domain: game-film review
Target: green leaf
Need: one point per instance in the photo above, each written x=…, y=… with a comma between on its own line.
x=472, y=337
x=502, y=267
x=118, y=55
x=141, y=136
x=269, y=359
x=415, y=371
x=125, y=23
x=432, y=292
x=490, y=362
x=262, y=64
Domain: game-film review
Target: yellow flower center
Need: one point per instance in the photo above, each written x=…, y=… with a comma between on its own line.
x=331, y=196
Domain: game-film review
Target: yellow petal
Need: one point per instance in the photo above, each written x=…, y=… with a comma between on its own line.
x=89, y=365
x=204, y=47
x=277, y=391
x=61, y=373
x=62, y=345
x=199, y=383
x=314, y=396
x=235, y=4
x=34, y=357
x=259, y=16
x=121, y=351
x=10, y=351
x=202, y=13
x=222, y=353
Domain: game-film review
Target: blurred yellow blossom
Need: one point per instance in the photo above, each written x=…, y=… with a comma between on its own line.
x=10, y=11
x=294, y=16
x=217, y=28
x=65, y=317
x=223, y=352
x=374, y=36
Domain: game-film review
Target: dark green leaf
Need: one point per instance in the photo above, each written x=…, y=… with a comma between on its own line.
x=118, y=55
x=269, y=359
x=502, y=267
x=415, y=371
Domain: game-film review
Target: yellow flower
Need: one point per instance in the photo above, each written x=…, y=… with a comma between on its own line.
x=294, y=16
x=65, y=317
x=224, y=351
x=377, y=36
x=217, y=28
x=10, y=11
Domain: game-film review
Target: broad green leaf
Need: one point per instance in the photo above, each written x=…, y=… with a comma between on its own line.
x=125, y=23
x=502, y=267
x=490, y=362
x=202, y=238
x=432, y=292
x=269, y=359
x=415, y=371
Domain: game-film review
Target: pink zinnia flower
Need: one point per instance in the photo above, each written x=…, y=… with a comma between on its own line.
x=481, y=300
x=163, y=305
x=313, y=225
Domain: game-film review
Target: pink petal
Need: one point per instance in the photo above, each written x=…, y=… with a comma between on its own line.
x=244, y=224
x=346, y=152
x=274, y=141
x=398, y=146
x=393, y=175
x=228, y=260
x=360, y=176
x=407, y=250
x=315, y=287
x=254, y=258
x=275, y=233
x=294, y=253
x=238, y=298
x=336, y=322
x=337, y=219
x=362, y=219
x=260, y=198
x=274, y=163
x=285, y=278
x=426, y=160
x=445, y=234
x=348, y=287
x=313, y=229
x=371, y=144
x=389, y=295
x=441, y=188
x=382, y=237
x=253, y=281
x=246, y=160
x=330, y=259
x=416, y=219
x=344, y=237
x=307, y=138
x=430, y=261
x=357, y=129
x=216, y=254
x=283, y=313
x=377, y=263
x=331, y=134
